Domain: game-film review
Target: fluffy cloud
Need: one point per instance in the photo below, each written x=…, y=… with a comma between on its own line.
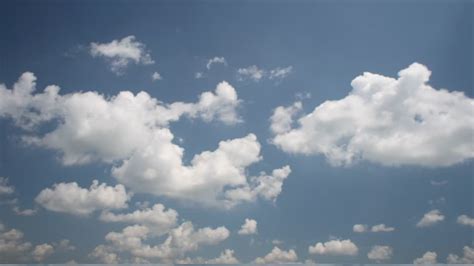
x=12, y=246
x=381, y=228
x=428, y=258
x=71, y=198
x=256, y=74
x=388, y=121
x=226, y=257
x=249, y=227
x=430, y=218
x=103, y=254
x=42, y=251
x=278, y=256
x=465, y=220
x=359, y=228
x=120, y=53
x=334, y=247
x=5, y=189
x=380, y=253
x=467, y=258
x=215, y=60
x=158, y=219
x=156, y=76
x=180, y=240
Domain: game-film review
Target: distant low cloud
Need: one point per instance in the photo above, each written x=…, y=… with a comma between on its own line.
x=465, y=220
x=249, y=227
x=438, y=183
x=430, y=218
x=255, y=73
x=120, y=53
x=380, y=253
x=428, y=258
x=387, y=121
x=361, y=228
x=467, y=258
x=226, y=257
x=277, y=256
x=334, y=247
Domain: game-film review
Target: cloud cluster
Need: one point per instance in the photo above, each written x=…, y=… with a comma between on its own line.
x=334, y=247
x=430, y=218
x=120, y=53
x=71, y=198
x=226, y=257
x=467, y=258
x=278, y=256
x=248, y=228
x=465, y=220
x=361, y=228
x=428, y=258
x=380, y=253
x=384, y=120
x=256, y=74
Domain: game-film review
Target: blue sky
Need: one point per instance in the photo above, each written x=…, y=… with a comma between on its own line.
x=390, y=149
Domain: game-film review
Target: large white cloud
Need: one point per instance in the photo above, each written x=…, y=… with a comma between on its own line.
x=384, y=120
x=120, y=53
x=156, y=218
x=428, y=258
x=380, y=253
x=467, y=258
x=248, y=228
x=73, y=199
x=278, y=256
x=334, y=247
x=430, y=218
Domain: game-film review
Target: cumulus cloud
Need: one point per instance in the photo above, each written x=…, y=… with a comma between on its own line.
x=334, y=247
x=104, y=255
x=42, y=251
x=467, y=258
x=226, y=257
x=120, y=53
x=388, y=121
x=249, y=227
x=73, y=199
x=430, y=218
x=359, y=228
x=380, y=253
x=428, y=258
x=156, y=76
x=157, y=218
x=381, y=228
x=5, y=189
x=12, y=246
x=255, y=73
x=216, y=60
x=24, y=212
x=465, y=220
x=278, y=256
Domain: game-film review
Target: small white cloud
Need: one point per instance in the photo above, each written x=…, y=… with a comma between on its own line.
x=70, y=198
x=381, y=228
x=430, y=218
x=359, y=228
x=249, y=227
x=380, y=253
x=280, y=72
x=252, y=72
x=334, y=247
x=120, y=53
x=156, y=76
x=465, y=220
x=428, y=258
x=226, y=257
x=42, y=251
x=216, y=60
x=198, y=75
x=467, y=258
x=24, y=212
x=278, y=256
x=5, y=189
x=438, y=183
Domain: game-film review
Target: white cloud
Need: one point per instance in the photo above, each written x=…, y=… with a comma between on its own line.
x=5, y=189
x=380, y=253
x=359, y=228
x=156, y=218
x=156, y=76
x=65, y=245
x=256, y=74
x=334, y=247
x=282, y=118
x=42, y=251
x=388, y=121
x=465, y=220
x=198, y=75
x=467, y=258
x=226, y=257
x=24, y=212
x=278, y=256
x=216, y=60
x=381, y=228
x=428, y=258
x=430, y=218
x=12, y=246
x=249, y=227
x=280, y=72
x=70, y=198
x=104, y=255
x=120, y=53
x=438, y=183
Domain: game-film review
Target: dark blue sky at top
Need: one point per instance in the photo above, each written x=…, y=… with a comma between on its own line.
x=328, y=43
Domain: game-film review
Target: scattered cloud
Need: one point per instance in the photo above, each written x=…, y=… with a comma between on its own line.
x=249, y=227
x=381, y=228
x=334, y=247
x=5, y=189
x=359, y=228
x=387, y=121
x=280, y=72
x=438, y=183
x=24, y=212
x=42, y=251
x=226, y=257
x=278, y=256
x=380, y=253
x=255, y=73
x=467, y=258
x=198, y=75
x=156, y=76
x=71, y=198
x=428, y=258
x=430, y=218
x=120, y=53
x=465, y=220
x=216, y=60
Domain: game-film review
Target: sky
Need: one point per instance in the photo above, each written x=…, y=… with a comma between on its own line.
x=217, y=132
